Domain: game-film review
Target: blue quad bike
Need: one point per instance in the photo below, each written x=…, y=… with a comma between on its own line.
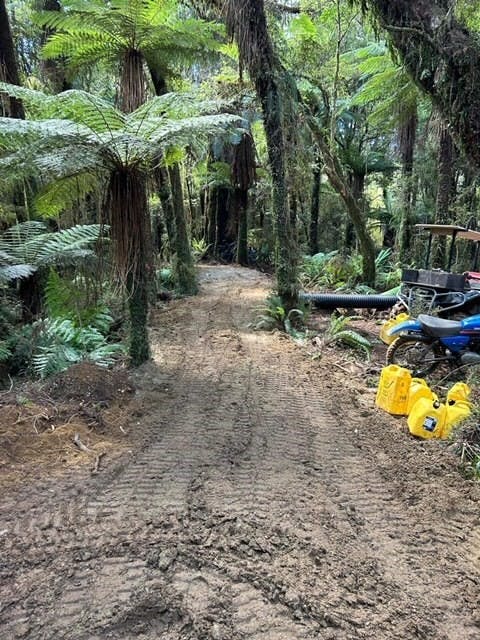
x=426, y=342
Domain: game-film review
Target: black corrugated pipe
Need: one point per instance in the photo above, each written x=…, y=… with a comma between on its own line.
x=345, y=301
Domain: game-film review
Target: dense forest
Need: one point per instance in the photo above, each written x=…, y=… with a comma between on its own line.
x=301, y=138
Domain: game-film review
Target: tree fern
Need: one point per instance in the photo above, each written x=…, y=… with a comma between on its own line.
x=88, y=32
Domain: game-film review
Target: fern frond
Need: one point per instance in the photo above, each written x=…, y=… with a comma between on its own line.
x=64, y=194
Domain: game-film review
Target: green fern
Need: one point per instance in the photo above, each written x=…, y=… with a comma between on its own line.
x=337, y=333
x=5, y=351
x=62, y=344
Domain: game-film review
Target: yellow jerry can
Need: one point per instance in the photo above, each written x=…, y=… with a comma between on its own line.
x=389, y=324
x=418, y=389
x=427, y=418
x=393, y=390
x=455, y=413
x=459, y=391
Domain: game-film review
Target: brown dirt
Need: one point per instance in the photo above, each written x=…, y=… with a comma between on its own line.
x=264, y=498
x=40, y=423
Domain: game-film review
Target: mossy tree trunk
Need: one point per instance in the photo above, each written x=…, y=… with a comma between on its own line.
x=445, y=193
x=8, y=62
x=443, y=57
x=315, y=208
x=340, y=183
x=407, y=137
x=184, y=266
x=171, y=196
x=126, y=204
x=247, y=22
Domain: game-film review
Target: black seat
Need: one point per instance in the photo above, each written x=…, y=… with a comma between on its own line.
x=439, y=328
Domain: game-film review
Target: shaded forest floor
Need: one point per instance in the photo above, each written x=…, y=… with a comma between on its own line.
x=245, y=491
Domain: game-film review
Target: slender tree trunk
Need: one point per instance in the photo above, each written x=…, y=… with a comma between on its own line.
x=445, y=193
x=315, y=209
x=241, y=197
x=339, y=182
x=246, y=20
x=53, y=71
x=408, y=137
x=127, y=207
x=164, y=191
x=184, y=267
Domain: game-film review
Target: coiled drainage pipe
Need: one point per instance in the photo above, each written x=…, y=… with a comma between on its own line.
x=345, y=301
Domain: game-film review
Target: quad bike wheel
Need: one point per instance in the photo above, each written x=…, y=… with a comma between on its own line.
x=419, y=357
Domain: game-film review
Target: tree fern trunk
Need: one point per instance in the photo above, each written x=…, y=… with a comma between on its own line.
x=165, y=194
x=128, y=211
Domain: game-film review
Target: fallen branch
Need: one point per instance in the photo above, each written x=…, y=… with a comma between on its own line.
x=97, y=462
x=80, y=445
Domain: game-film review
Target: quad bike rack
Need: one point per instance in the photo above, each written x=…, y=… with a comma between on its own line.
x=433, y=291
x=442, y=292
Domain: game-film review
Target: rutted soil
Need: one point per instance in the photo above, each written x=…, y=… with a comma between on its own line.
x=262, y=499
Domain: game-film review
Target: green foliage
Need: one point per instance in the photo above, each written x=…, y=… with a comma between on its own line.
x=61, y=344
x=27, y=246
x=334, y=271
x=165, y=278
x=92, y=138
x=67, y=299
x=5, y=352
x=273, y=315
x=91, y=31
x=338, y=333
x=200, y=248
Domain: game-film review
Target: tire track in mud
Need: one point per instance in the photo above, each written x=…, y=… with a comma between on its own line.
x=249, y=512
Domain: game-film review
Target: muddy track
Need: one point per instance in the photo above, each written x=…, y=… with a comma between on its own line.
x=258, y=504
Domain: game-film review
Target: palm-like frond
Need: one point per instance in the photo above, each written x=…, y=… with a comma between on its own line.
x=77, y=106
x=65, y=193
x=30, y=245
x=91, y=31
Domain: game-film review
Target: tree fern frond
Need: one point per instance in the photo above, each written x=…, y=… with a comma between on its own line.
x=64, y=194
x=68, y=241
x=16, y=272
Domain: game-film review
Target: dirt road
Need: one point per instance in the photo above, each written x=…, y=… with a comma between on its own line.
x=263, y=501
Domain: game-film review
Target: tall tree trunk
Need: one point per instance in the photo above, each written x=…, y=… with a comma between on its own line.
x=184, y=267
x=127, y=207
x=445, y=192
x=443, y=57
x=53, y=71
x=241, y=197
x=339, y=182
x=356, y=182
x=243, y=177
x=246, y=20
x=8, y=61
x=220, y=196
x=407, y=136
x=164, y=191
x=315, y=209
